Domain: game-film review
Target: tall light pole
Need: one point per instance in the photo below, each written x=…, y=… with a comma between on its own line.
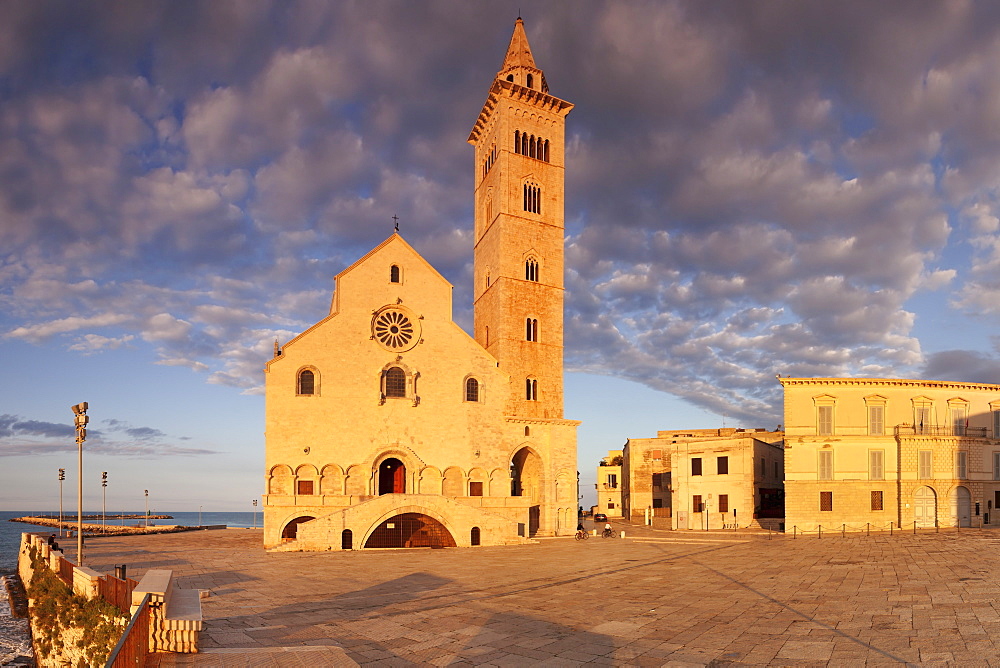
x=62, y=476
x=255, y=513
x=104, y=503
x=146, y=492
x=199, y=517
x=80, y=421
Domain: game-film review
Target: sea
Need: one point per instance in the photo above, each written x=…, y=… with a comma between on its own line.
x=10, y=532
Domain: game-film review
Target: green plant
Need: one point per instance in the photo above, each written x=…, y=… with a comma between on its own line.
x=56, y=609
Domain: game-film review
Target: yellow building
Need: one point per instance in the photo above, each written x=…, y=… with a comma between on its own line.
x=386, y=424
x=609, y=484
x=867, y=452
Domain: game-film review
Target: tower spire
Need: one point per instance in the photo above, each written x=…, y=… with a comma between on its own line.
x=518, y=64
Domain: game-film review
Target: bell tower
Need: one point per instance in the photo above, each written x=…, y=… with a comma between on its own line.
x=519, y=139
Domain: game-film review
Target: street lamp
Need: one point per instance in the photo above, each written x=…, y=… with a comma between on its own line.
x=80, y=422
x=199, y=517
x=146, y=492
x=104, y=502
x=255, y=513
x=62, y=476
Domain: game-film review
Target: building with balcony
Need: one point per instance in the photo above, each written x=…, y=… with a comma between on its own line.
x=870, y=452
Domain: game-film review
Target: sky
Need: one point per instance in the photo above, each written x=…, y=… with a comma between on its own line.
x=752, y=188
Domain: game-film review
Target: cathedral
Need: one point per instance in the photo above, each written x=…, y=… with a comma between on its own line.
x=386, y=424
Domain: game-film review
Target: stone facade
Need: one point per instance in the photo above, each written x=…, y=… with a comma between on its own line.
x=386, y=424
x=866, y=453
x=644, y=462
x=609, y=484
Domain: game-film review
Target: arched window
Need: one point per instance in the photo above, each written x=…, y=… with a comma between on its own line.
x=530, y=81
x=394, y=274
x=532, y=198
x=307, y=382
x=531, y=147
x=531, y=389
x=546, y=151
x=531, y=269
x=395, y=382
x=510, y=77
x=524, y=144
x=531, y=329
x=471, y=389
x=527, y=431
x=517, y=141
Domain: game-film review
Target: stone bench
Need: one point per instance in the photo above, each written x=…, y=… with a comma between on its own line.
x=175, y=616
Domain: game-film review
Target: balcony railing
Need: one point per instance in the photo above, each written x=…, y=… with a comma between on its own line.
x=940, y=430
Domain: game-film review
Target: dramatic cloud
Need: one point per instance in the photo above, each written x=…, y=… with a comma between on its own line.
x=752, y=188
x=30, y=437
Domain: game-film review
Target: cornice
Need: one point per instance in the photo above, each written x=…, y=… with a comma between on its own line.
x=502, y=88
x=888, y=382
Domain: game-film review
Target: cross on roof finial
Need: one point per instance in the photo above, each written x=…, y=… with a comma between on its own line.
x=395, y=219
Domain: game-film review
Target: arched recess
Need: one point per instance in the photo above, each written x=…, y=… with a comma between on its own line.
x=961, y=507
x=925, y=506
x=475, y=536
x=430, y=481
x=565, y=487
x=280, y=480
x=478, y=482
x=346, y=539
x=332, y=480
x=356, y=483
x=409, y=529
x=499, y=482
x=290, y=530
x=307, y=381
x=526, y=473
x=306, y=480
x=391, y=476
x=454, y=482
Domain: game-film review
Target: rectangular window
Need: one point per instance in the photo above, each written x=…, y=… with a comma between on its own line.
x=826, y=501
x=824, y=420
x=475, y=489
x=611, y=506
x=958, y=421
x=996, y=465
x=304, y=487
x=876, y=420
x=826, y=465
x=996, y=423
x=723, y=463
x=657, y=503
x=925, y=464
x=723, y=503
x=876, y=464
x=922, y=418
x=696, y=466
x=961, y=465
x=656, y=454
x=876, y=499
x=613, y=480
x=696, y=503
x=657, y=482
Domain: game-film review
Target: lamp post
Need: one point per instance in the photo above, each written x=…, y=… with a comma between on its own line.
x=199, y=517
x=62, y=476
x=255, y=513
x=104, y=501
x=80, y=421
x=146, y=492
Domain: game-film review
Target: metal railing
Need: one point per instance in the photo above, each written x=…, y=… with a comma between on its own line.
x=117, y=592
x=133, y=646
x=940, y=430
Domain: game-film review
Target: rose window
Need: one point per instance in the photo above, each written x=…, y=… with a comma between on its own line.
x=394, y=329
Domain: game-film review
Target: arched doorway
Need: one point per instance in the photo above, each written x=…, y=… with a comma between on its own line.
x=291, y=529
x=526, y=481
x=925, y=507
x=391, y=477
x=346, y=540
x=961, y=507
x=410, y=530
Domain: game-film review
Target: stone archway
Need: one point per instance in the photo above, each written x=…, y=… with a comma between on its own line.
x=391, y=477
x=291, y=530
x=410, y=530
x=526, y=481
x=925, y=507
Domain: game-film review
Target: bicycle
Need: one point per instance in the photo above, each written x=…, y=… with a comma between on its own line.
x=582, y=535
x=609, y=533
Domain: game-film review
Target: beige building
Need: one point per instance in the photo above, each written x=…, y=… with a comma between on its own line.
x=645, y=479
x=609, y=484
x=724, y=478
x=867, y=452
x=386, y=424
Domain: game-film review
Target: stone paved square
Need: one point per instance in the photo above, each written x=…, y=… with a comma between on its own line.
x=654, y=598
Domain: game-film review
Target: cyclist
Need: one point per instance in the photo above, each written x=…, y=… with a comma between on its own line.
x=581, y=533
x=608, y=531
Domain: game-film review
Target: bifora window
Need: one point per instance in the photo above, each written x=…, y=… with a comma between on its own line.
x=307, y=382
x=532, y=198
x=531, y=389
x=531, y=329
x=395, y=382
x=531, y=270
x=471, y=389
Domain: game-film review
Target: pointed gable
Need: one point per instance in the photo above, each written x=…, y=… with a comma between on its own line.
x=518, y=52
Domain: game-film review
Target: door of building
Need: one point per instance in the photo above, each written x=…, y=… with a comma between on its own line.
x=961, y=507
x=925, y=507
